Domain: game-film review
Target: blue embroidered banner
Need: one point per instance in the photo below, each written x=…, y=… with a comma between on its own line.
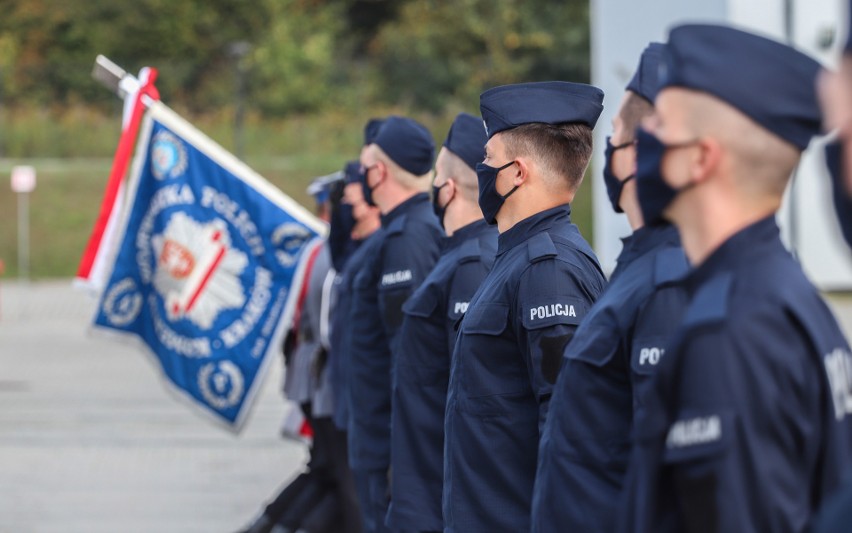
x=207, y=254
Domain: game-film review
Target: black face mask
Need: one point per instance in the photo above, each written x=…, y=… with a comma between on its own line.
x=834, y=155
x=490, y=201
x=655, y=195
x=614, y=186
x=368, y=191
x=440, y=212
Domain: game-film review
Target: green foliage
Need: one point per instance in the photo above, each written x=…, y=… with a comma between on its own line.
x=303, y=56
x=437, y=49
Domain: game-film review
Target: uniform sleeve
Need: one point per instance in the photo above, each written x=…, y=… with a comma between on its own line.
x=551, y=303
x=407, y=258
x=746, y=423
x=656, y=322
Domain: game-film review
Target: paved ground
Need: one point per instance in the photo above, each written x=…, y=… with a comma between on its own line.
x=91, y=441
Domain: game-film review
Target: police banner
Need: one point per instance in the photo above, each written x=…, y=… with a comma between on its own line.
x=206, y=256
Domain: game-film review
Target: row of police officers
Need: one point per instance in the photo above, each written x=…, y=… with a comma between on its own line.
x=489, y=378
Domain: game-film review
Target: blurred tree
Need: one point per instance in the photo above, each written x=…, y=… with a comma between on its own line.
x=49, y=45
x=307, y=55
x=296, y=67
x=438, y=49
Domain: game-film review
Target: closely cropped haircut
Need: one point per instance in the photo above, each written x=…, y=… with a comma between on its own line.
x=463, y=175
x=562, y=151
x=405, y=178
x=634, y=109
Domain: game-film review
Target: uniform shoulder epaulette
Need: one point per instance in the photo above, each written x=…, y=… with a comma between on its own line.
x=540, y=247
x=670, y=264
x=470, y=251
x=710, y=303
x=397, y=225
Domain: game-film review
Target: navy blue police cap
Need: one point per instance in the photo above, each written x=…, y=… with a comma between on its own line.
x=371, y=129
x=646, y=79
x=467, y=139
x=770, y=82
x=352, y=172
x=320, y=188
x=408, y=143
x=547, y=102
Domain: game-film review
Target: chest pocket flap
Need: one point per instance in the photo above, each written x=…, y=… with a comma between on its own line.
x=486, y=319
x=422, y=303
x=593, y=345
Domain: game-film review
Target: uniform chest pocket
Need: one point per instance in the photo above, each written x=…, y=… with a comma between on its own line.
x=594, y=345
x=490, y=359
x=422, y=303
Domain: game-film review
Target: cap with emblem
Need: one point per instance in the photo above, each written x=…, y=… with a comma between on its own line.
x=770, y=82
x=352, y=172
x=371, y=129
x=467, y=139
x=547, y=102
x=408, y=143
x=646, y=79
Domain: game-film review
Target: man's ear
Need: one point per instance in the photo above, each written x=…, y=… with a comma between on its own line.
x=522, y=170
x=707, y=160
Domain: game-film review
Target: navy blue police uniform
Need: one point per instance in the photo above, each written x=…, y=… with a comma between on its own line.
x=585, y=444
x=422, y=376
x=748, y=426
x=542, y=284
x=427, y=337
x=544, y=280
x=405, y=252
x=348, y=261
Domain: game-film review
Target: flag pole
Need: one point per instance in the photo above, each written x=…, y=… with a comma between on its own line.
x=142, y=92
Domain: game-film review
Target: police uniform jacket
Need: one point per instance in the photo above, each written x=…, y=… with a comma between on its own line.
x=341, y=331
x=543, y=282
x=748, y=425
x=405, y=253
x=586, y=440
x=426, y=340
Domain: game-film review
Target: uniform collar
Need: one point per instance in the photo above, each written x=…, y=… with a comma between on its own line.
x=645, y=239
x=464, y=233
x=405, y=207
x=532, y=225
x=746, y=246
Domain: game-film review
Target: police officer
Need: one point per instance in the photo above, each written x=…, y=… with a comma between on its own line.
x=354, y=222
x=543, y=282
x=586, y=439
x=427, y=334
x=835, y=90
x=749, y=425
x=396, y=170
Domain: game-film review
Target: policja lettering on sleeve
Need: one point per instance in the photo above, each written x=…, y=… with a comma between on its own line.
x=552, y=310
